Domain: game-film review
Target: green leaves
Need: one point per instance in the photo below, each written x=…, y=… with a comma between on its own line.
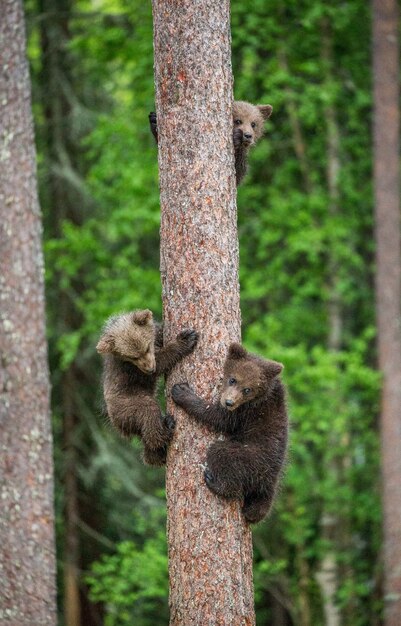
x=133, y=581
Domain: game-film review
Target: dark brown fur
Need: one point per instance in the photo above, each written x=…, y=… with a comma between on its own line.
x=252, y=415
x=248, y=121
x=134, y=357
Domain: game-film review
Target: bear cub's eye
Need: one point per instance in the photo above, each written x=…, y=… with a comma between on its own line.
x=231, y=381
x=253, y=124
x=246, y=390
x=237, y=122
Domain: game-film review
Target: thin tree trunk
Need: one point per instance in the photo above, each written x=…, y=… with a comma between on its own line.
x=72, y=603
x=298, y=139
x=303, y=602
x=27, y=554
x=210, y=547
x=328, y=575
x=56, y=83
x=388, y=285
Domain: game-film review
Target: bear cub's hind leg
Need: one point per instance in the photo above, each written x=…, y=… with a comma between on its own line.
x=221, y=475
x=256, y=507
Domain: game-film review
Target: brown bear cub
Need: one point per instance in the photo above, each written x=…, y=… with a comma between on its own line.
x=252, y=415
x=134, y=357
x=248, y=122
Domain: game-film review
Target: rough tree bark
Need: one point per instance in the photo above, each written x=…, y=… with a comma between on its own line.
x=210, y=547
x=27, y=554
x=388, y=284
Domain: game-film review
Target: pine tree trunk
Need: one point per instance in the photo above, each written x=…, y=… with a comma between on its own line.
x=27, y=594
x=210, y=547
x=388, y=285
x=72, y=552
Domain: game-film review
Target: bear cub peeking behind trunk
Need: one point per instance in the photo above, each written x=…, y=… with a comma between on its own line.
x=134, y=357
x=248, y=120
x=252, y=415
x=248, y=126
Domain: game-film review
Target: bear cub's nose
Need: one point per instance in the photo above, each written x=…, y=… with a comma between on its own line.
x=229, y=402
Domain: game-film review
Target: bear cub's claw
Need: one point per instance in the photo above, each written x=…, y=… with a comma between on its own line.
x=169, y=421
x=189, y=337
x=180, y=391
x=209, y=478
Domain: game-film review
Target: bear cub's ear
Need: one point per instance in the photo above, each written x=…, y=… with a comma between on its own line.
x=266, y=110
x=105, y=344
x=236, y=351
x=142, y=317
x=273, y=368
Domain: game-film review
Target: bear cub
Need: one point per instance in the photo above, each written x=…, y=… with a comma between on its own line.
x=252, y=415
x=134, y=357
x=248, y=122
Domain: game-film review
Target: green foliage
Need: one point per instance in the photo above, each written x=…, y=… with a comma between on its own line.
x=133, y=582
x=306, y=265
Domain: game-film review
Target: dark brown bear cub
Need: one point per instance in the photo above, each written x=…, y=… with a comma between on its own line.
x=252, y=415
x=248, y=122
x=134, y=357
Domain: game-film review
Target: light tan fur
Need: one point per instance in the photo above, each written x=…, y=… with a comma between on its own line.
x=250, y=119
x=248, y=127
x=131, y=337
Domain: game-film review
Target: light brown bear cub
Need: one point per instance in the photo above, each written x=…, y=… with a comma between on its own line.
x=252, y=416
x=134, y=357
x=248, y=127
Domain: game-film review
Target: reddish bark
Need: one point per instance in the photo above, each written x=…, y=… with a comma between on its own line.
x=388, y=285
x=210, y=548
x=26, y=514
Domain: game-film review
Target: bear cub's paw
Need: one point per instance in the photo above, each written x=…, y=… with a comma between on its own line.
x=180, y=391
x=238, y=137
x=169, y=421
x=153, y=120
x=189, y=338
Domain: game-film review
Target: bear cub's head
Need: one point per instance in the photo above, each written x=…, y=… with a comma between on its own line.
x=131, y=337
x=246, y=377
x=250, y=119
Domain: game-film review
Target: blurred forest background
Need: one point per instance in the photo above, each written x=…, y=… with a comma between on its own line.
x=307, y=299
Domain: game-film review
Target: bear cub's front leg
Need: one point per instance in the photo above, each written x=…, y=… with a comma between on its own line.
x=171, y=354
